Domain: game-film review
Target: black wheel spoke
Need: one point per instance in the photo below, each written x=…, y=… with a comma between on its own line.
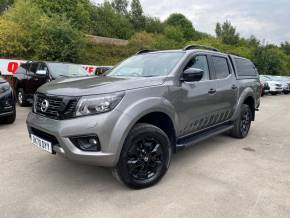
x=145, y=158
x=245, y=122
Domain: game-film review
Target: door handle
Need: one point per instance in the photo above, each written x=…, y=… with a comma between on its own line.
x=234, y=86
x=212, y=91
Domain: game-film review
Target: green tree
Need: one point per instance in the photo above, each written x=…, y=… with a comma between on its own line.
x=183, y=24
x=77, y=11
x=174, y=33
x=58, y=41
x=120, y=6
x=253, y=41
x=5, y=4
x=13, y=39
x=142, y=40
x=267, y=60
x=136, y=15
x=285, y=46
x=227, y=33
x=107, y=22
x=52, y=38
x=153, y=25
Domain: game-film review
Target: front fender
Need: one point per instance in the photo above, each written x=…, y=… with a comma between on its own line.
x=131, y=115
x=247, y=92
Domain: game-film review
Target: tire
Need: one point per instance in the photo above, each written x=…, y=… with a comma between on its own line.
x=286, y=92
x=21, y=99
x=9, y=119
x=145, y=157
x=273, y=93
x=242, y=125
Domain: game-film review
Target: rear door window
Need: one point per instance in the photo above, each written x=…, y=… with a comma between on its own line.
x=221, y=67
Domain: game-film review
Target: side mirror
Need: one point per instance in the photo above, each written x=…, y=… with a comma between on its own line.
x=41, y=72
x=192, y=74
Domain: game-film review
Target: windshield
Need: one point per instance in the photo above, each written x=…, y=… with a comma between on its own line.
x=67, y=70
x=147, y=65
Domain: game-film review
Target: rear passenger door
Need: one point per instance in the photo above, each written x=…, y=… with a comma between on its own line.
x=32, y=80
x=226, y=87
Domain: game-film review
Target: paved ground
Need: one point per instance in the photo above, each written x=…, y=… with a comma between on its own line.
x=221, y=177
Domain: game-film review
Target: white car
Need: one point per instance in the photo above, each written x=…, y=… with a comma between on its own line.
x=284, y=81
x=275, y=87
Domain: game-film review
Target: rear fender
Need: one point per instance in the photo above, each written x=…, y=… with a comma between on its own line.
x=248, y=92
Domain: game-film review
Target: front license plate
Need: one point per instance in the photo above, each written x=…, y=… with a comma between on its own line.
x=43, y=144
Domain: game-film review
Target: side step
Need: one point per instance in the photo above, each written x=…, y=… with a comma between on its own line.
x=198, y=137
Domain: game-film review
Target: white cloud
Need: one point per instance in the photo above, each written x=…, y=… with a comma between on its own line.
x=265, y=19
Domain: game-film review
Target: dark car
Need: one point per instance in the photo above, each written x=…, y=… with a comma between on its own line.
x=7, y=103
x=102, y=69
x=31, y=75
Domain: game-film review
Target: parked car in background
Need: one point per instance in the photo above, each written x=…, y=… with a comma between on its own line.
x=7, y=103
x=31, y=75
x=285, y=83
x=102, y=69
x=146, y=108
x=275, y=87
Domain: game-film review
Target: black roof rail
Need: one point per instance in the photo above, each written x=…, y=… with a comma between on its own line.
x=189, y=47
x=145, y=51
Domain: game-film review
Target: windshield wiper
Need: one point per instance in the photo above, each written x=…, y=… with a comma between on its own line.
x=149, y=76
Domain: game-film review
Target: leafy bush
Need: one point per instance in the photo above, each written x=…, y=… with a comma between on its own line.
x=38, y=36
x=13, y=43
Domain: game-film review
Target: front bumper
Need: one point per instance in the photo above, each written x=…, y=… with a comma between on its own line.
x=276, y=89
x=59, y=131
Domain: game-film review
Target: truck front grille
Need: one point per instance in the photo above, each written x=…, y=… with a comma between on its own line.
x=55, y=107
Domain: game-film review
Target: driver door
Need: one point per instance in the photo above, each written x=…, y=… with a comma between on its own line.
x=195, y=101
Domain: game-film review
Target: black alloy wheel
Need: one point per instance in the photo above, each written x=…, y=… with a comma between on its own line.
x=245, y=122
x=145, y=157
x=242, y=124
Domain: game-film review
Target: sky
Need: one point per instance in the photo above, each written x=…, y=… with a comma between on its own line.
x=268, y=20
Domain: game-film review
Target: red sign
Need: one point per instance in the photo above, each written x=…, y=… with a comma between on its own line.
x=12, y=67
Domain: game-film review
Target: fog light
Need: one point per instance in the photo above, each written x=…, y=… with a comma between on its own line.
x=86, y=143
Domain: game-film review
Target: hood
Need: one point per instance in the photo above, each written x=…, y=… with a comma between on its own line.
x=96, y=85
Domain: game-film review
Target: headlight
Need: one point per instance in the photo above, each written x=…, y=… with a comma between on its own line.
x=4, y=88
x=97, y=104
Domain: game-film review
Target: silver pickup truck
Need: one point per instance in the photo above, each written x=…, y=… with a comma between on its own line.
x=149, y=106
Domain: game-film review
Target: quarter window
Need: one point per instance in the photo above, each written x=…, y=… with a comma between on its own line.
x=33, y=68
x=199, y=62
x=245, y=67
x=221, y=67
x=22, y=69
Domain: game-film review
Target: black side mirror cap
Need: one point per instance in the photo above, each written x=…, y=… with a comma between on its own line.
x=192, y=75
